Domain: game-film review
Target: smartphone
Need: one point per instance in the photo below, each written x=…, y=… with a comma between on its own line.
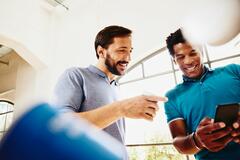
x=227, y=113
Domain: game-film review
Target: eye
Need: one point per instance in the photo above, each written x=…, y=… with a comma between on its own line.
x=179, y=57
x=193, y=53
x=122, y=51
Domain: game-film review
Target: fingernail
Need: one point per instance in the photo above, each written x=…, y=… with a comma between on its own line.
x=165, y=99
x=235, y=125
x=234, y=134
x=222, y=125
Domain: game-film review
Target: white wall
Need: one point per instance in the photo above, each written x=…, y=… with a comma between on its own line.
x=27, y=22
x=26, y=27
x=8, y=73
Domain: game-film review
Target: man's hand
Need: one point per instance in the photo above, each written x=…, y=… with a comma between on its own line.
x=236, y=130
x=212, y=136
x=141, y=106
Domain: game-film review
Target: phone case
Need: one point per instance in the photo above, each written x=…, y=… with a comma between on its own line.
x=227, y=113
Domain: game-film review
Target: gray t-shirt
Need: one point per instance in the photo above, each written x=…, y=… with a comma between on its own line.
x=84, y=89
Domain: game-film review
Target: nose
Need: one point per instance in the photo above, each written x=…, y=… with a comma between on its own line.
x=128, y=57
x=188, y=60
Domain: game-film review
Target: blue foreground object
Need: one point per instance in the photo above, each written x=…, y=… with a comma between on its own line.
x=44, y=134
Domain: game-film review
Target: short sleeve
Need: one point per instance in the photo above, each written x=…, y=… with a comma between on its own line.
x=170, y=107
x=68, y=92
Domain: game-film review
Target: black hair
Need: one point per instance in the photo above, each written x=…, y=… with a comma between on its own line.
x=105, y=37
x=173, y=39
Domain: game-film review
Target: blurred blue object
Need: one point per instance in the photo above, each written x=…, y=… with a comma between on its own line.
x=44, y=134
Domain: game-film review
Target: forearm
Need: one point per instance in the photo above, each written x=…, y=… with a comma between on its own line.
x=103, y=116
x=186, y=144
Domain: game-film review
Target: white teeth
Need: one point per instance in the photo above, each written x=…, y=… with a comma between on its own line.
x=124, y=65
x=190, y=69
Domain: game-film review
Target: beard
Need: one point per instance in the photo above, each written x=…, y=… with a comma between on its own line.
x=111, y=65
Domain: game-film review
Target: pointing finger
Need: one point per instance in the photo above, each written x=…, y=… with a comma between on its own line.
x=156, y=98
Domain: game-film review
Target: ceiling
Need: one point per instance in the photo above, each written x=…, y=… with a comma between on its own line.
x=4, y=50
x=151, y=21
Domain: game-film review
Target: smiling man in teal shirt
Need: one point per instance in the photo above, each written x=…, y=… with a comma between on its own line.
x=192, y=104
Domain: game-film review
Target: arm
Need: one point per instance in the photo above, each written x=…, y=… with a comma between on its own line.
x=208, y=135
x=183, y=142
x=69, y=93
x=143, y=107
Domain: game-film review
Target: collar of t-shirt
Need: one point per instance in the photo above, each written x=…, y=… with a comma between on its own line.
x=97, y=71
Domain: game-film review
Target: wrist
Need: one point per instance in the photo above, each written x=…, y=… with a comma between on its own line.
x=119, y=109
x=197, y=142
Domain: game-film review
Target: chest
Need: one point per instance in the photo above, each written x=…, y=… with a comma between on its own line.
x=99, y=92
x=199, y=99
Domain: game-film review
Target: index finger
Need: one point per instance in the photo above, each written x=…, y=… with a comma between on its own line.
x=156, y=98
x=213, y=127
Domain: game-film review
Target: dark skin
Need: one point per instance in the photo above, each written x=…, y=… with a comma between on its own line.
x=208, y=135
x=236, y=130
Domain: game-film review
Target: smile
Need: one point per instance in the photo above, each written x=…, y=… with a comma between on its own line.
x=123, y=64
x=191, y=69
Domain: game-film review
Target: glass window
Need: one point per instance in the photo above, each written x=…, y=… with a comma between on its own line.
x=6, y=116
x=158, y=64
x=2, y=122
x=142, y=131
x=135, y=73
x=225, y=62
x=179, y=77
x=9, y=119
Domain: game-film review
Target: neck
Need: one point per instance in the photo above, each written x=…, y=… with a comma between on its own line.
x=104, y=69
x=203, y=71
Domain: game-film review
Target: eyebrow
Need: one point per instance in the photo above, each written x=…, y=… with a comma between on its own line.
x=178, y=55
x=126, y=48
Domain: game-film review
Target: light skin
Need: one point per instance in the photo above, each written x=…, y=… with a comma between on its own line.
x=113, y=61
x=209, y=135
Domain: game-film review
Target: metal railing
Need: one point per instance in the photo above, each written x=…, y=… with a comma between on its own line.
x=153, y=144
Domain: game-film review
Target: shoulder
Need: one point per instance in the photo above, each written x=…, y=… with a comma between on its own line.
x=230, y=68
x=233, y=67
x=176, y=90
x=74, y=72
x=73, y=75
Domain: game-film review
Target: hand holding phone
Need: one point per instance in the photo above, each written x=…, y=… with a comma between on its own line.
x=227, y=113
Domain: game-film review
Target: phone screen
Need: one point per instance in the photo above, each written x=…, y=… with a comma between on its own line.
x=227, y=113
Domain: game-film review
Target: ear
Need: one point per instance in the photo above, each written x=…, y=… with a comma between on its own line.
x=100, y=52
x=173, y=59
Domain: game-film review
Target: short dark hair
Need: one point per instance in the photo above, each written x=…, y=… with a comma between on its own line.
x=105, y=37
x=173, y=39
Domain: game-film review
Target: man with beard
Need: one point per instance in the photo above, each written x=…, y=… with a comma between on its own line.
x=92, y=92
x=192, y=104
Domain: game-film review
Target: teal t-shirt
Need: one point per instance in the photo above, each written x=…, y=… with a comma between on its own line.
x=195, y=99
